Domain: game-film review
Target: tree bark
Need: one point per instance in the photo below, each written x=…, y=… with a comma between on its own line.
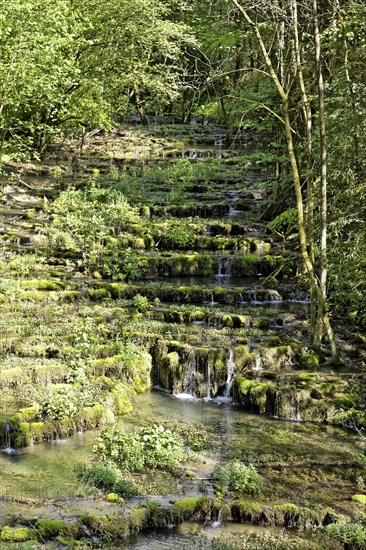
x=318, y=284
x=323, y=319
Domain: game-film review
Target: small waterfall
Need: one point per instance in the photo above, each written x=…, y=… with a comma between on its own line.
x=190, y=377
x=223, y=269
x=231, y=370
x=219, y=521
x=295, y=409
x=361, y=399
x=274, y=296
x=212, y=302
x=252, y=297
x=208, y=384
x=287, y=410
x=260, y=248
x=277, y=405
x=7, y=437
x=258, y=367
x=258, y=363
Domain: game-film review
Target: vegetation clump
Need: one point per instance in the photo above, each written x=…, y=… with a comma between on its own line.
x=152, y=447
x=239, y=478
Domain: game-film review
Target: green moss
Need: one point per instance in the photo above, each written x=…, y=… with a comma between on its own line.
x=122, y=402
x=152, y=505
x=235, y=321
x=188, y=508
x=42, y=285
x=98, y=294
x=113, y=497
x=137, y=520
x=117, y=290
x=17, y=534
x=33, y=296
x=360, y=499
x=97, y=415
x=288, y=507
x=22, y=439
x=28, y=414
x=253, y=395
x=308, y=361
x=344, y=402
x=50, y=528
x=69, y=542
x=70, y=296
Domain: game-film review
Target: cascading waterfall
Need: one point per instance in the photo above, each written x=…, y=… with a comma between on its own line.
x=258, y=367
x=258, y=362
x=208, y=384
x=231, y=371
x=260, y=248
x=277, y=405
x=212, y=302
x=7, y=438
x=190, y=377
x=223, y=268
x=218, y=522
x=295, y=409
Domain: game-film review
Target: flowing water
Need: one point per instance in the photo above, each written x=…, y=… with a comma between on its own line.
x=229, y=276
x=46, y=470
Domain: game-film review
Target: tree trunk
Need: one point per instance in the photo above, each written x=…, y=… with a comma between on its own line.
x=322, y=320
x=135, y=100
x=318, y=285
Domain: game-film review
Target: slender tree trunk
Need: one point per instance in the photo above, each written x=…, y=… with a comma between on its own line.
x=307, y=111
x=318, y=285
x=323, y=319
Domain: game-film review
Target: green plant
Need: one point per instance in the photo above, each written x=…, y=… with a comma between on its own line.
x=141, y=303
x=161, y=447
x=126, y=488
x=179, y=236
x=66, y=400
x=285, y=224
x=153, y=446
x=98, y=475
x=124, y=449
x=133, y=267
x=239, y=478
x=352, y=535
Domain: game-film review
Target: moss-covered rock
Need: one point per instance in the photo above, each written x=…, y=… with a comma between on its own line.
x=190, y=508
x=50, y=528
x=17, y=534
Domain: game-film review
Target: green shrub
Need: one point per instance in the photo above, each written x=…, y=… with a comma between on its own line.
x=179, y=236
x=126, y=488
x=239, y=478
x=153, y=446
x=161, y=447
x=141, y=303
x=285, y=224
x=98, y=475
x=352, y=535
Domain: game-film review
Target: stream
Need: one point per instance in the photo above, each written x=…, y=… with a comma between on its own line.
x=47, y=470
x=217, y=311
